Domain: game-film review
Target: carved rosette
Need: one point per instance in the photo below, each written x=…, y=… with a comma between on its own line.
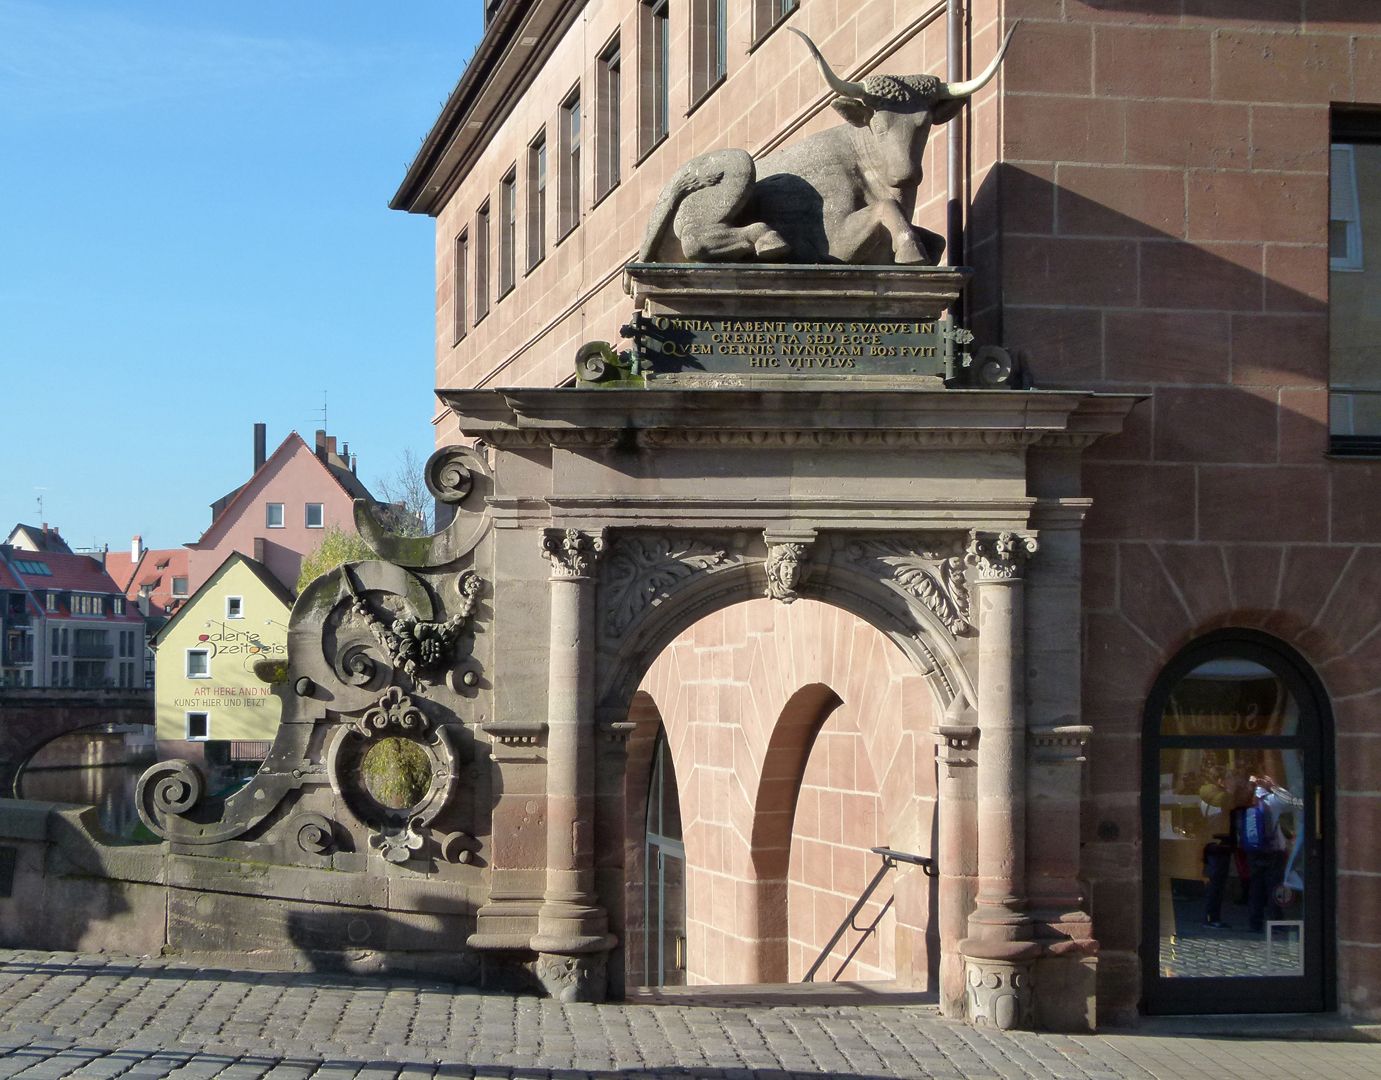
x=999, y=557
x=573, y=978
x=640, y=570
x=934, y=577
x=572, y=553
x=998, y=993
x=786, y=568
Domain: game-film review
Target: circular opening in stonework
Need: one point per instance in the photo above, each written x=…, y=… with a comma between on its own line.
x=397, y=773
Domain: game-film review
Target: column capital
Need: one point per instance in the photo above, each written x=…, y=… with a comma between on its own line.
x=998, y=557
x=571, y=552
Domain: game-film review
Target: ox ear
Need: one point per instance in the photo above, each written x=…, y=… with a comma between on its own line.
x=942, y=112
x=858, y=113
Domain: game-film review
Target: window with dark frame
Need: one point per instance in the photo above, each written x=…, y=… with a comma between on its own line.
x=1354, y=275
x=654, y=66
x=571, y=135
x=767, y=14
x=508, y=215
x=459, y=292
x=709, y=47
x=609, y=134
x=198, y=726
x=482, y=261
x=537, y=199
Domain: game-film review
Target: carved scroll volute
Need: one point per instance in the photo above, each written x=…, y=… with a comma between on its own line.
x=460, y=479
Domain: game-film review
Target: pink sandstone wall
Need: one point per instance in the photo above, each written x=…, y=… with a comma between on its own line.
x=741, y=695
x=575, y=295
x=1163, y=204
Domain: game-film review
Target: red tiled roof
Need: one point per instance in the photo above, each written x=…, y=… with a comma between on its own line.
x=158, y=567
x=120, y=567
x=80, y=572
x=7, y=580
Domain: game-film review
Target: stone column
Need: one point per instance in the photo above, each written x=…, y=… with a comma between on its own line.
x=572, y=928
x=956, y=850
x=998, y=953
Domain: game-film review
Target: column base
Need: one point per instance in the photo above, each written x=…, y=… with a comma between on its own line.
x=999, y=990
x=571, y=978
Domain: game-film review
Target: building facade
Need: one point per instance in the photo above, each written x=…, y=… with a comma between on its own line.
x=1166, y=199
x=66, y=623
x=210, y=704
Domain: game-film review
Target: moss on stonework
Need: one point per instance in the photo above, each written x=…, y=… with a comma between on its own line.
x=397, y=773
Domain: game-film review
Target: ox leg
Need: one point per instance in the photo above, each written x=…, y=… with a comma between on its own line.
x=715, y=242
x=865, y=233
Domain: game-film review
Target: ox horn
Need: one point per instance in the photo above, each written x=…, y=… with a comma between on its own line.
x=842, y=87
x=950, y=91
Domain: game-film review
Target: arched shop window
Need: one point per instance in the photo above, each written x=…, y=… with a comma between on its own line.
x=1236, y=804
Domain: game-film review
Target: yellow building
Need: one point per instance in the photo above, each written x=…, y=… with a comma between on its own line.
x=211, y=706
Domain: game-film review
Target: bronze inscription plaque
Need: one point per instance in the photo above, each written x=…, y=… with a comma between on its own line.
x=683, y=343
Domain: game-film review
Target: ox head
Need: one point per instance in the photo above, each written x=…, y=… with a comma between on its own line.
x=900, y=110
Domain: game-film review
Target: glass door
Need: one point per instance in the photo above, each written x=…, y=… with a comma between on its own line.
x=1236, y=915
x=665, y=886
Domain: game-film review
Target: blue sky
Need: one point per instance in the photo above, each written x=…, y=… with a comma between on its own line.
x=194, y=236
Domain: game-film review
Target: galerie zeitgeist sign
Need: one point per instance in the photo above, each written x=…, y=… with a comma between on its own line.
x=679, y=343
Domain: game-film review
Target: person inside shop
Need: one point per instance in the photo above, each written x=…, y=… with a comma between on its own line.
x=1262, y=841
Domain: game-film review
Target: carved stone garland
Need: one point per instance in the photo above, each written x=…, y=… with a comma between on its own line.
x=415, y=647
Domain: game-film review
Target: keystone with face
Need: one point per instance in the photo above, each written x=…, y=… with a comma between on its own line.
x=845, y=195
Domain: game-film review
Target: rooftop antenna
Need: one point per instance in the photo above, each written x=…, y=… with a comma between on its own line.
x=323, y=411
x=40, y=491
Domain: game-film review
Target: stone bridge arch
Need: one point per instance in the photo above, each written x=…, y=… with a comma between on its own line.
x=31, y=719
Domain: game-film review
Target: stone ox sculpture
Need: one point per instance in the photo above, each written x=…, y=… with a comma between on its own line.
x=845, y=195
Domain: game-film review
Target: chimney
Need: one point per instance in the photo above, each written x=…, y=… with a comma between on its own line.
x=260, y=446
x=259, y=549
x=136, y=548
x=353, y=462
x=321, y=443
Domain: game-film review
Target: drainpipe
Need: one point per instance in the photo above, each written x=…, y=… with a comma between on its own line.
x=954, y=146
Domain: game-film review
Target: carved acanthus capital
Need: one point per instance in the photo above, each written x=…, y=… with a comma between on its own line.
x=998, y=557
x=787, y=567
x=572, y=553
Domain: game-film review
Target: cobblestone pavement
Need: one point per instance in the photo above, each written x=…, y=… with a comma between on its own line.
x=98, y=1018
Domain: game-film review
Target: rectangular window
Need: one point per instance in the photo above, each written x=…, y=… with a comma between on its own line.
x=709, y=47
x=198, y=726
x=767, y=14
x=117, y=605
x=537, y=199
x=198, y=664
x=51, y=601
x=273, y=515
x=482, y=262
x=608, y=87
x=654, y=81
x=57, y=674
x=66, y=642
x=234, y=607
x=570, y=162
x=316, y=515
x=179, y=588
x=1354, y=279
x=508, y=212
x=56, y=640
x=459, y=292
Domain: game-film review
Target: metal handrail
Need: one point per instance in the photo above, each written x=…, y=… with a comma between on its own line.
x=890, y=858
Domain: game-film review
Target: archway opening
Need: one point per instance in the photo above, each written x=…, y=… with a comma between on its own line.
x=799, y=737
